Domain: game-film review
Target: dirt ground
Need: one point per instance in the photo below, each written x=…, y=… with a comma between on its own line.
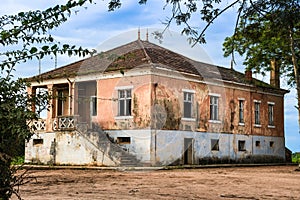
x=280, y=182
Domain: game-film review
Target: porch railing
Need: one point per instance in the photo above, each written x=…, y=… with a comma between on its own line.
x=38, y=125
x=64, y=123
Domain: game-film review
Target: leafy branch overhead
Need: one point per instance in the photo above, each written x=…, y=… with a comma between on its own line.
x=29, y=33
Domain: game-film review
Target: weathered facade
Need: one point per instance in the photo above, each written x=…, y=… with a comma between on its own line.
x=143, y=104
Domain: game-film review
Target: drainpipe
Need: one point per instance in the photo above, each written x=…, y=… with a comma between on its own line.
x=155, y=131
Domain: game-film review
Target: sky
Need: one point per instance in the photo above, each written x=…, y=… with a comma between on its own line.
x=96, y=28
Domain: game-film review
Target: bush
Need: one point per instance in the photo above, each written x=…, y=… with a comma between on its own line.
x=19, y=160
x=296, y=157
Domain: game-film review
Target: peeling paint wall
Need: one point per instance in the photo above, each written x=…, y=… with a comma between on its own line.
x=170, y=147
x=107, y=95
x=39, y=153
x=67, y=148
x=140, y=141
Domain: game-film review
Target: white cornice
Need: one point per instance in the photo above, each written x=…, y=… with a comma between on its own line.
x=157, y=71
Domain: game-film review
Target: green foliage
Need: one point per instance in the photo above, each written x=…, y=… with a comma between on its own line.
x=296, y=157
x=30, y=30
x=19, y=160
x=14, y=130
x=264, y=33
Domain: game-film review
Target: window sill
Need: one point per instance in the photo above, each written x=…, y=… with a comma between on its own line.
x=257, y=125
x=241, y=124
x=271, y=126
x=215, y=121
x=123, y=117
x=188, y=119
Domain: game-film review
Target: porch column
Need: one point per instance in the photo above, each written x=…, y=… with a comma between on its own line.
x=71, y=98
x=31, y=91
x=50, y=109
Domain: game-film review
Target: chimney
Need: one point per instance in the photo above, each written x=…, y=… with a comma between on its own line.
x=139, y=34
x=248, y=74
x=274, y=74
x=147, y=36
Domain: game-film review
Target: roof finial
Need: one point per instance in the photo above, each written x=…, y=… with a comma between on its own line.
x=147, y=36
x=139, y=34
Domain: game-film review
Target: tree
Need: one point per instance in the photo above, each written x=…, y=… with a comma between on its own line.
x=23, y=37
x=268, y=34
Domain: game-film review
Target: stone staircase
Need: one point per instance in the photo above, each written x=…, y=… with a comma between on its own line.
x=100, y=140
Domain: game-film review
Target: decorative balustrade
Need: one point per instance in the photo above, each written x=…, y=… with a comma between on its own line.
x=64, y=123
x=38, y=125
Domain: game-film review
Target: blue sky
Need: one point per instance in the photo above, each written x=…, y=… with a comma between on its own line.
x=96, y=28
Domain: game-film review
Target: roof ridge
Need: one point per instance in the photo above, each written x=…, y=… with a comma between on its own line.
x=144, y=50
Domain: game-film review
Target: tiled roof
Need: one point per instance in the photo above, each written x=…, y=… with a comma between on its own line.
x=142, y=53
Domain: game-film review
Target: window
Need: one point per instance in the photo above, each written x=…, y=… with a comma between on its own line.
x=271, y=114
x=187, y=104
x=257, y=143
x=271, y=144
x=214, y=110
x=94, y=106
x=215, y=145
x=123, y=140
x=38, y=142
x=257, y=112
x=242, y=145
x=124, y=102
x=241, y=111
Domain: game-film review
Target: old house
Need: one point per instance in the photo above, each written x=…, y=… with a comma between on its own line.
x=141, y=104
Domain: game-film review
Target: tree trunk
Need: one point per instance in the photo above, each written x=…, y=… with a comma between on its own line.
x=296, y=72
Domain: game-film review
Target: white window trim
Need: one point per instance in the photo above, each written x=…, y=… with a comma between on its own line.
x=256, y=101
x=215, y=121
x=271, y=103
x=188, y=119
x=241, y=124
x=269, y=126
x=124, y=87
x=189, y=91
x=123, y=117
x=241, y=99
x=214, y=94
x=257, y=125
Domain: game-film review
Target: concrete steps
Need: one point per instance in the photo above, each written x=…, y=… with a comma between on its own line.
x=102, y=141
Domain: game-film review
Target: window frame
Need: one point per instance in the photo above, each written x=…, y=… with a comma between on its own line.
x=214, y=100
x=271, y=123
x=242, y=145
x=257, y=113
x=241, y=111
x=215, y=145
x=188, y=98
x=127, y=102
